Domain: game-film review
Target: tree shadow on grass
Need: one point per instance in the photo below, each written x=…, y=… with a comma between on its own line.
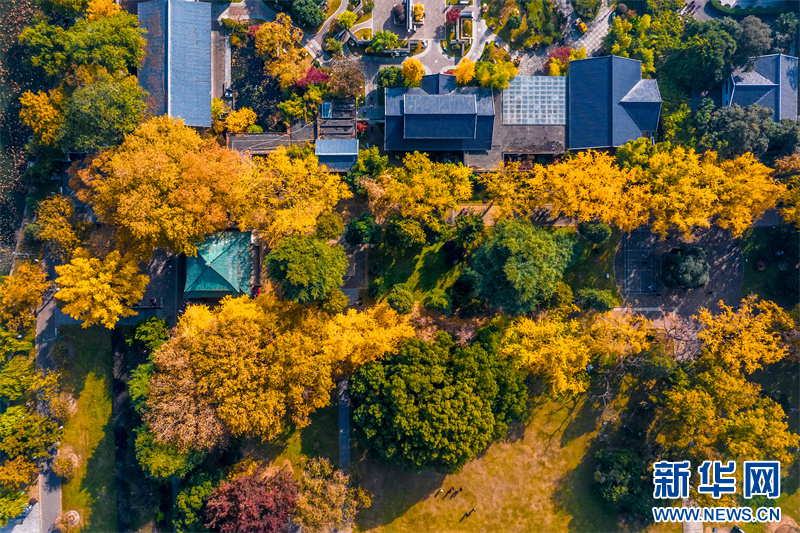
x=575, y=493
x=393, y=490
x=585, y=417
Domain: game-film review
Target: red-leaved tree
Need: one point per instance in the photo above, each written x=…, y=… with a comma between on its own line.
x=252, y=503
x=453, y=15
x=312, y=77
x=251, y=31
x=561, y=53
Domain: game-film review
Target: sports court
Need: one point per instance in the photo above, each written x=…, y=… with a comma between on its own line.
x=640, y=262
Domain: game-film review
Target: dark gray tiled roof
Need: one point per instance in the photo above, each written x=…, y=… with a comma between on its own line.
x=607, y=104
x=772, y=83
x=177, y=67
x=440, y=104
x=438, y=116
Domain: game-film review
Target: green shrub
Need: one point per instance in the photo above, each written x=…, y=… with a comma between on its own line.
x=31, y=232
x=403, y=234
x=469, y=228
x=595, y=232
x=255, y=128
x=514, y=21
x=362, y=230
x=599, y=300
x=401, y=299
x=685, y=267
x=437, y=300
x=562, y=297
x=329, y=226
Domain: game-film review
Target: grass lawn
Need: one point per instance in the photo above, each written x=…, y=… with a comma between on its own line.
x=424, y=269
x=541, y=480
x=319, y=439
x=595, y=261
x=763, y=244
x=88, y=372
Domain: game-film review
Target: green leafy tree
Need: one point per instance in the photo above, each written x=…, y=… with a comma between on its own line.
x=307, y=269
x=347, y=19
x=329, y=226
x=152, y=333
x=139, y=385
x=436, y=299
x=307, y=13
x=733, y=131
x=190, y=499
x=434, y=405
x=622, y=480
x=370, y=164
x=686, y=266
x=391, y=77
x=163, y=462
x=465, y=295
x=100, y=114
x=753, y=39
x=362, y=230
x=706, y=57
x=12, y=503
x=469, y=228
x=383, y=40
x=403, y=233
x=401, y=298
x=114, y=43
x=521, y=265
x=784, y=31
x=16, y=377
x=595, y=232
x=596, y=299
x=10, y=344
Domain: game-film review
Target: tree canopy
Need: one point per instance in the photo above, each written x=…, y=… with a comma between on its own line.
x=306, y=268
x=383, y=40
x=432, y=404
x=100, y=291
x=255, y=502
x=284, y=194
x=114, y=42
x=278, y=43
x=520, y=265
x=421, y=189
x=326, y=502
x=162, y=187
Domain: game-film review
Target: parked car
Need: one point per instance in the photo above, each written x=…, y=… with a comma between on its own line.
x=580, y=25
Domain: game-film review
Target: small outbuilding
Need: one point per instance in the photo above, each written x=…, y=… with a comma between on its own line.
x=222, y=267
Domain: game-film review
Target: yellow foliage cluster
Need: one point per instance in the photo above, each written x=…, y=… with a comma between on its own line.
x=422, y=190
x=678, y=189
x=100, y=291
x=98, y=9
x=282, y=195
x=247, y=366
x=240, y=120
x=721, y=411
x=42, y=113
x=558, y=349
x=278, y=43
x=413, y=70
x=21, y=294
x=58, y=224
x=465, y=71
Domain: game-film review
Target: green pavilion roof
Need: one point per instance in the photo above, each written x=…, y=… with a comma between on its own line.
x=221, y=267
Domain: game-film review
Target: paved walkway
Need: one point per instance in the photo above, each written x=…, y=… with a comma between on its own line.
x=46, y=334
x=344, y=424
